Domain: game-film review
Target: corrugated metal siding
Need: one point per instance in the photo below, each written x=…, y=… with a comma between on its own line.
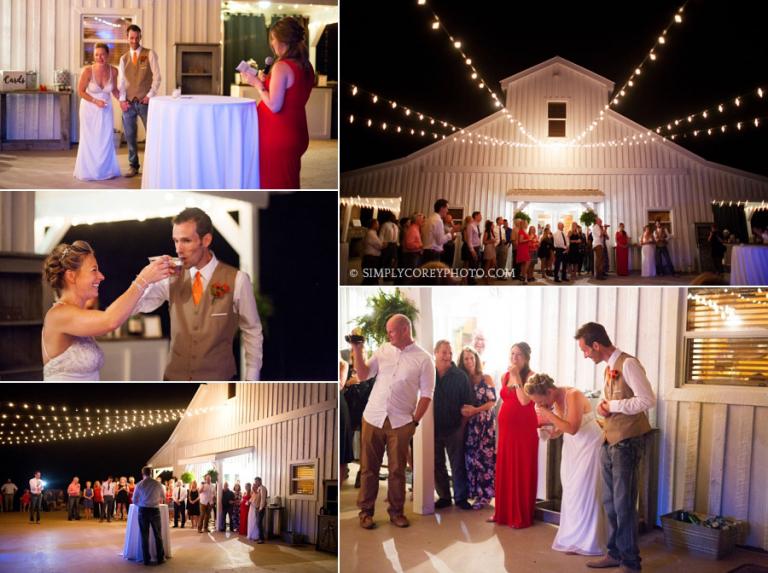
x=277, y=442
x=634, y=178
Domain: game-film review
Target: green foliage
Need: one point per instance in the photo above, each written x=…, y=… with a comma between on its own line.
x=187, y=477
x=524, y=216
x=588, y=217
x=374, y=324
x=166, y=475
x=214, y=475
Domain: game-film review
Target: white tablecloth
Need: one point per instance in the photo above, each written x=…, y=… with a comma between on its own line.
x=749, y=265
x=201, y=142
x=132, y=547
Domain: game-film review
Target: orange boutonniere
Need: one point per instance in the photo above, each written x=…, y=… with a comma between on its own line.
x=218, y=290
x=614, y=374
x=143, y=58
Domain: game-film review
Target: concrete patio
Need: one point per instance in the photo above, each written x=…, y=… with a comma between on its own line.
x=60, y=546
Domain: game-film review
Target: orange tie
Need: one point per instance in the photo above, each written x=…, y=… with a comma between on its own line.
x=197, y=289
x=135, y=57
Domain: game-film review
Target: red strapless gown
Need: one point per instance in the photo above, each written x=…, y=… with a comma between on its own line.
x=516, y=461
x=243, y=529
x=283, y=136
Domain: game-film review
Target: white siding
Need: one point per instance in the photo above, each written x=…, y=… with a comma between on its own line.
x=284, y=422
x=634, y=179
x=43, y=35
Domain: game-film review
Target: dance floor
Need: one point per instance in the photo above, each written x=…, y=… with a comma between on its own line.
x=61, y=546
x=459, y=540
x=53, y=169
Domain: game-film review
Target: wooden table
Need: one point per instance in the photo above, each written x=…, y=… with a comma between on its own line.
x=44, y=116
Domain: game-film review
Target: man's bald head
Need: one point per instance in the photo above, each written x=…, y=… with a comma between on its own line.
x=399, y=329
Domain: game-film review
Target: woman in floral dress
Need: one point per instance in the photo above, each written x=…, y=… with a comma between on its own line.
x=480, y=445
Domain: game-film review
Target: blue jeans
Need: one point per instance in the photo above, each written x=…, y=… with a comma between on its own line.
x=73, y=509
x=34, y=506
x=619, y=468
x=130, y=125
x=663, y=261
x=453, y=444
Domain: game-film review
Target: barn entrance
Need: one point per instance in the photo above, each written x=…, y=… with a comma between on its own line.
x=550, y=206
x=543, y=214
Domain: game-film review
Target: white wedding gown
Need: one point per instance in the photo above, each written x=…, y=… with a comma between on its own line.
x=648, y=260
x=581, y=511
x=96, y=157
x=253, y=530
x=80, y=362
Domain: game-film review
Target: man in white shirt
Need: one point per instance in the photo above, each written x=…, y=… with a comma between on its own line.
x=663, y=260
x=108, y=492
x=435, y=235
x=561, y=243
x=598, y=247
x=179, y=504
x=627, y=397
x=36, y=491
x=208, y=302
x=207, y=498
x=261, y=508
x=9, y=490
x=138, y=80
x=405, y=382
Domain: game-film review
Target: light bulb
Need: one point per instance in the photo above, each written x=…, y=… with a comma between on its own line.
x=474, y=75
x=720, y=108
x=468, y=61
x=354, y=93
x=375, y=98
x=638, y=71
x=760, y=92
x=737, y=101
x=662, y=40
x=678, y=18
x=704, y=114
x=351, y=119
x=653, y=56
x=435, y=25
x=457, y=44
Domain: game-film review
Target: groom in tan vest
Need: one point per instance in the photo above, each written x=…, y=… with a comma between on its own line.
x=627, y=397
x=208, y=301
x=138, y=80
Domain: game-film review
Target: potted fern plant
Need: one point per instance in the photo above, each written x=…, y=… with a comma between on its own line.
x=373, y=326
x=588, y=217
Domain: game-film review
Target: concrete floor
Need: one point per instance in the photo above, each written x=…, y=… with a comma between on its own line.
x=53, y=169
x=461, y=541
x=60, y=546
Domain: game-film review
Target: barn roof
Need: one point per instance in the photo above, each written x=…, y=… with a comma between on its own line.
x=559, y=61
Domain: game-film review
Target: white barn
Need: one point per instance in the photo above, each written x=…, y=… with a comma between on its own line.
x=281, y=432
x=633, y=182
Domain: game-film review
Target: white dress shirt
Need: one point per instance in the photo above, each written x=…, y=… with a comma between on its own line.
x=108, y=489
x=206, y=493
x=153, y=65
x=243, y=304
x=179, y=493
x=402, y=377
x=436, y=236
x=35, y=486
x=634, y=375
x=561, y=239
x=598, y=239
x=389, y=233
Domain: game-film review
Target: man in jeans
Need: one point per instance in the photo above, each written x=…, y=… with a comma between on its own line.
x=138, y=81
x=148, y=496
x=108, y=491
x=627, y=398
x=36, y=491
x=73, y=500
x=261, y=508
x=405, y=381
x=207, y=497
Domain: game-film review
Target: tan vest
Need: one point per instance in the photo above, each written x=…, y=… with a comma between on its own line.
x=620, y=427
x=138, y=78
x=202, y=335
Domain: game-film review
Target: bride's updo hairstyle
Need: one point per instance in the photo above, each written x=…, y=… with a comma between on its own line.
x=62, y=259
x=539, y=384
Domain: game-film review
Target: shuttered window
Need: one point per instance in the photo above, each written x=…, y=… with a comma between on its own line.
x=556, y=115
x=726, y=338
x=303, y=479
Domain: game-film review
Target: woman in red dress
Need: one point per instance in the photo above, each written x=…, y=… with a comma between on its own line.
x=523, y=251
x=283, y=133
x=518, y=445
x=622, y=251
x=243, y=528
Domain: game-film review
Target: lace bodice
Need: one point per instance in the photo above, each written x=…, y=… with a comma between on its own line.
x=81, y=361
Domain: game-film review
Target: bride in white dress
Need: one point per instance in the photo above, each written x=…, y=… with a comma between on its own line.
x=69, y=349
x=570, y=414
x=647, y=253
x=96, y=157
x=253, y=526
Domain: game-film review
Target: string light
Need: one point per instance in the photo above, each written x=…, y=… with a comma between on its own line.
x=722, y=107
x=714, y=130
x=386, y=203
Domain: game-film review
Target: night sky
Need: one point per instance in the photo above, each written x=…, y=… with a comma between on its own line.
x=90, y=458
x=717, y=53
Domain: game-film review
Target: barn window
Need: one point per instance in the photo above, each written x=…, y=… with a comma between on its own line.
x=726, y=337
x=556, y=113
x=664, y=216
x=303, y=476
x=109, y=29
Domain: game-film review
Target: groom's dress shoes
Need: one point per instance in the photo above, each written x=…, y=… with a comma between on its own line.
x=132, y=172
x=604, y=563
